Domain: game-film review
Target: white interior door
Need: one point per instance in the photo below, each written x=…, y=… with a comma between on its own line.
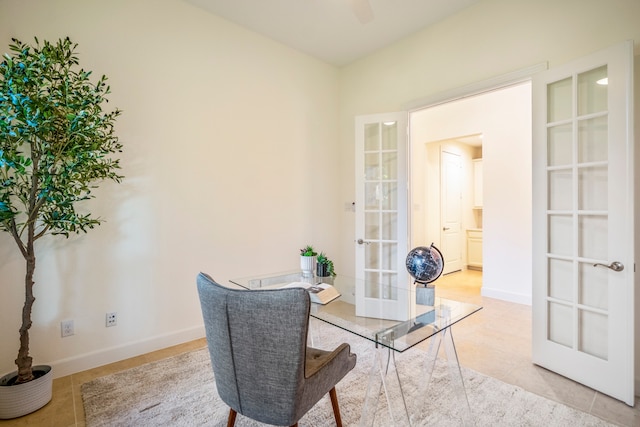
x=381, y=216
x=583, y=269
x=451, y=206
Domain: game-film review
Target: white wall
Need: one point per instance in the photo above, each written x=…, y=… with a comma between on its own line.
x=229, y=147
x=504, y=119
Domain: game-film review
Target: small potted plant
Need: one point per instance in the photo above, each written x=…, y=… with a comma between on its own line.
x=308, y=260
x=325, y=266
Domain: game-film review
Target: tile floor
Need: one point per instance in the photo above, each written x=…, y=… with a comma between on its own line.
x=495, y=341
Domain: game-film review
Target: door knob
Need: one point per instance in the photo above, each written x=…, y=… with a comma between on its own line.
x=445, y=228
x=615, y=265
x=360, y=242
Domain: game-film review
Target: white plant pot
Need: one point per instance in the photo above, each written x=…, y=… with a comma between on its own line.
x=308, y=265
x=23, y=399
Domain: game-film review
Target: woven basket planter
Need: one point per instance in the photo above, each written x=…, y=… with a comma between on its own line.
x=22, y=399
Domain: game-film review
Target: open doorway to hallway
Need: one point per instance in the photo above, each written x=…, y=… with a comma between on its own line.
x=495, y=232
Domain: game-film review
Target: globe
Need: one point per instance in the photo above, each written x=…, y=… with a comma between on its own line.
x=425, y=264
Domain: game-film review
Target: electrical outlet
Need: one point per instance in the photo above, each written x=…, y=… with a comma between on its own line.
x=111, y=319
x=66, y=328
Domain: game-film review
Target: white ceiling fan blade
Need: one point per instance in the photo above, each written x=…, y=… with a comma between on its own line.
x=362, y=10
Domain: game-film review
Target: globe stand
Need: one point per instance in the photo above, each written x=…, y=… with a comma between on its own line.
x=425, y=294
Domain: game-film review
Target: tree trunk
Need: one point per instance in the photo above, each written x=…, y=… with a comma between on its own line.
x=24, y=361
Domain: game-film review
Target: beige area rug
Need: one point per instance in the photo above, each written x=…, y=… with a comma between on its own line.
x=180, y=391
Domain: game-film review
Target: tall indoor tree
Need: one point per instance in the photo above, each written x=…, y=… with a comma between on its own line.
x=56, y=144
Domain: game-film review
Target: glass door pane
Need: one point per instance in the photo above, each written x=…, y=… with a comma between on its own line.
x=381, y=209
x=577, y=212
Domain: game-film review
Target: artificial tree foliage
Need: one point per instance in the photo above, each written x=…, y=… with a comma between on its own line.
x=56, y=144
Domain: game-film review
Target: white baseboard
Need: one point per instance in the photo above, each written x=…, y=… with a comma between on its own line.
x=506, y=296
x=105, y=356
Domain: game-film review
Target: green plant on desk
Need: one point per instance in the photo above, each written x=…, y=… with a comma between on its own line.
x=325, y=265
x=308, y=251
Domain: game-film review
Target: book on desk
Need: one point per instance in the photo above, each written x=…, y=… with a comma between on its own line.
x=321, y=293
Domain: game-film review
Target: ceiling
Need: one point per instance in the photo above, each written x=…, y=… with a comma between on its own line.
x=335, y=31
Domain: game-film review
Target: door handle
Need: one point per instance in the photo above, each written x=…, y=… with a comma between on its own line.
x=615, y=265
x=445, y=228
x=360, y=242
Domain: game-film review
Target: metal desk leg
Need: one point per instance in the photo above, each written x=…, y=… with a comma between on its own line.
x=380, y=378
x=313, y=336
x=457, y=382
x=430, y=363
x=455, y=374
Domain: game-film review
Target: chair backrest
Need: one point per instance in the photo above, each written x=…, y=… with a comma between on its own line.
x=257, y=342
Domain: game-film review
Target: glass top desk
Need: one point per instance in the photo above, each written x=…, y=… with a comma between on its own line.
x=389, y=336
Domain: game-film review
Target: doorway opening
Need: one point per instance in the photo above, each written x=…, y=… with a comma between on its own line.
x=455, y=200
x=489, y=135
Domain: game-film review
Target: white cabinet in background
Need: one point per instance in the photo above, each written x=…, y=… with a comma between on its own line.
x=477, y=183
x=474, y=249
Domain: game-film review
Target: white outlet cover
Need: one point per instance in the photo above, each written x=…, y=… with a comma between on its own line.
x=66, y=328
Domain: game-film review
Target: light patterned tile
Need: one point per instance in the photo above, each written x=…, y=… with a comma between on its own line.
x=615, y=411
x=551, y=385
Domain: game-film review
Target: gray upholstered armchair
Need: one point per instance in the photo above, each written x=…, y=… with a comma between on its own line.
x=258, y=346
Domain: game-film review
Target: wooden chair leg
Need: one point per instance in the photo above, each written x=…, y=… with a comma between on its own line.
x=336, y=408
x=232, y=418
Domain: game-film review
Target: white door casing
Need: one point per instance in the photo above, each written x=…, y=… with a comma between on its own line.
x=583, y=207
x=381, y=216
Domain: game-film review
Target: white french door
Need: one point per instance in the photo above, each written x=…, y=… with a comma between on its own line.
x=583, y=249
x=381, y=216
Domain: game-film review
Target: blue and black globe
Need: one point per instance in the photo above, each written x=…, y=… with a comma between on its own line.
x=425, y=264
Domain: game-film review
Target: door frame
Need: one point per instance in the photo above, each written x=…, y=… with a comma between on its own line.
x=477, y=88
x=488, y=87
